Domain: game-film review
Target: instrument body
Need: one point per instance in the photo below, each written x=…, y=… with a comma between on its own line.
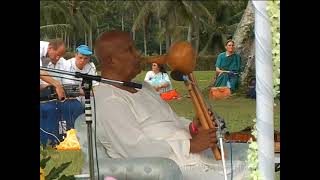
x=202, y=110
x=48, y=93
x=182, y=58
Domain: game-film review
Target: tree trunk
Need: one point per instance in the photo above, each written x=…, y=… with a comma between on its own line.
x=98, y=32
x=68, y=41
x=133, y=30
x=167, y=42
x=74, y=42
x=90, y=38
x=65, y=40
x=122, y=23
x=197, y=35
x=244, y=46
x=160, y=41
x=145, y=39
x=189, y=33
x=85, y=38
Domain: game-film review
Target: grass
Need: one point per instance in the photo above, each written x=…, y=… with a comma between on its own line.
x=237, y=111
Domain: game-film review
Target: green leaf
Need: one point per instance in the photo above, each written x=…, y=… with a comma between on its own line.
x=55, y=172
x=64, y=177
x=44, y=161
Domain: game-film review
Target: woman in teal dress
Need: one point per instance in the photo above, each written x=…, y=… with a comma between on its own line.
x=228, y=68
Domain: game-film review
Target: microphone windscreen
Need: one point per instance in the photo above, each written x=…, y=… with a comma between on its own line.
x=177, y=75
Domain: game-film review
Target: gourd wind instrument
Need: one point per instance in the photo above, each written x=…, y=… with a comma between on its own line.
x=181, y=59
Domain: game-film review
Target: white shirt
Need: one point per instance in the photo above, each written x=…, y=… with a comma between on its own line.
x=139, y=124
x=89, y=68
x=158, y=79
x=60, y=65
x=149, y=76
x=43, y=51
x=143, y=125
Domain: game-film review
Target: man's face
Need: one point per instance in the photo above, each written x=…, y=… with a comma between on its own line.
x=55, y=55
x=81, y=60
x=126, y=58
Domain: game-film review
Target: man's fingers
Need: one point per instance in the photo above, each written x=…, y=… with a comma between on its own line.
x=212, y=135
x=212, y=144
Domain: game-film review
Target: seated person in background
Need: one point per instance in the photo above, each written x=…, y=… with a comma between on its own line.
x=54, y=49
x=81, y=63
x=137, y=123
x=158, y=78
x=228, y=68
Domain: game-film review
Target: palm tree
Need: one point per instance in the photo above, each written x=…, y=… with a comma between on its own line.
x=175, y=15
x=142, y=21
x=79, y=19
x=227, y=15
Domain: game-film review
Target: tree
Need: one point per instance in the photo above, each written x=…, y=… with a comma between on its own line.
x=244, y=42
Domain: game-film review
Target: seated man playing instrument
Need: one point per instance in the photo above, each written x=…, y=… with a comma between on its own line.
x=138, y=123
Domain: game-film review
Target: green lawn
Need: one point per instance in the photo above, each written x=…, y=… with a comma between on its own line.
x=237, y=111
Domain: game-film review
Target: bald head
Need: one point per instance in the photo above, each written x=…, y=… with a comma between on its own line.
x=117, y=55
x=109, y=42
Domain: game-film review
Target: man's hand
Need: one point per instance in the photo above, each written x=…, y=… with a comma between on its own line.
x=60, y=92
x=81, y=92
x=206, y=138
x=196, y=120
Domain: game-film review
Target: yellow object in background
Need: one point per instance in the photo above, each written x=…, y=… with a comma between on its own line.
x=42, y=174
x=70, y=142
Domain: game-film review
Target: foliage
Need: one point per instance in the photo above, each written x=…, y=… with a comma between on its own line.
x=253, y=156
x=273, y=8
x=55, y=171
x=79, y=22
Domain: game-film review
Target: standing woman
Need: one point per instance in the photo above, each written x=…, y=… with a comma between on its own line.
x=228, y=68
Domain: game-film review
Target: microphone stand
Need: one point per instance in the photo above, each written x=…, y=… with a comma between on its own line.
x=220, y=135
x=87, y=86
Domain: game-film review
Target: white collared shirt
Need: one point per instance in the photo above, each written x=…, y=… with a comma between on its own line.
x=60, y=65
x=43, y=51
x=89, y=68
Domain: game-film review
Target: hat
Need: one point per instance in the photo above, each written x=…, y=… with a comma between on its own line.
x=84, y=49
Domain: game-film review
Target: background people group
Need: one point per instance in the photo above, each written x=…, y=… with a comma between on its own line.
x=59, y=115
